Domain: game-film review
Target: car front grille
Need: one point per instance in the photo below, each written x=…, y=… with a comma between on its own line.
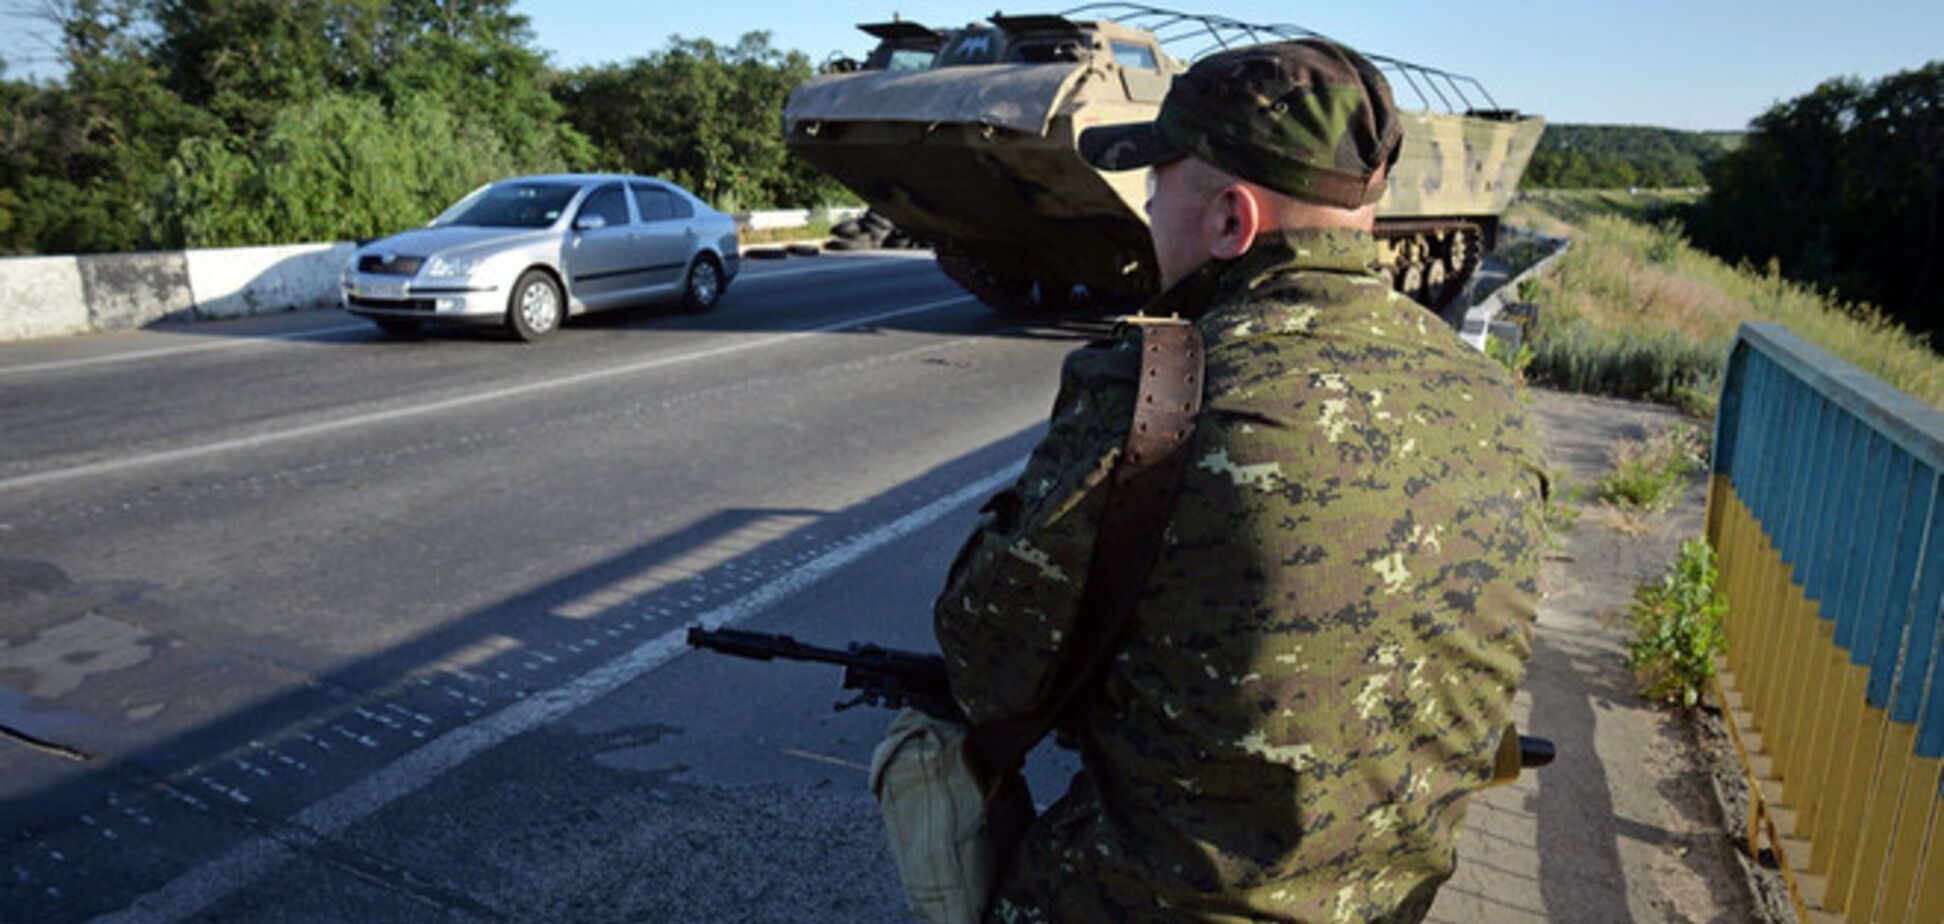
x=399, y=266
x=393, y=304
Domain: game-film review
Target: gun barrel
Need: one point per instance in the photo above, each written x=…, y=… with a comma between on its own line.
x=763, y=646
x=899, y=675
x=1535, y=752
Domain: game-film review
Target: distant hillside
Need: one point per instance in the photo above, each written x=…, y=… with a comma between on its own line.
x=1618, y=156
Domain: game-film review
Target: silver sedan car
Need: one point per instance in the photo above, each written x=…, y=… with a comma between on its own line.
x=528, y=252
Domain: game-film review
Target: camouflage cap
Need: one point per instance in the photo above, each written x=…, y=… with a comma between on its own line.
x=1307, y=118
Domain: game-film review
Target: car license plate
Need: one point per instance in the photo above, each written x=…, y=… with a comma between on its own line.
x=382, y=288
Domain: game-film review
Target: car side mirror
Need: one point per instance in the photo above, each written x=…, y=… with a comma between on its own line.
x=589, y=223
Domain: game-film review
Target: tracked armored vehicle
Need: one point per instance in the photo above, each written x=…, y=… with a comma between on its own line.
x=968, y=139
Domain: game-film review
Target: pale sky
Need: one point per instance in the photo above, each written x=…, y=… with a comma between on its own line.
x=1698, y=65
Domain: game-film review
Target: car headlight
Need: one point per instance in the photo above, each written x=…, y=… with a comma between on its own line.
x=441, y=267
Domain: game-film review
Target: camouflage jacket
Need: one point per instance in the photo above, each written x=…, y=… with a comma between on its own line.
x=1323, y=659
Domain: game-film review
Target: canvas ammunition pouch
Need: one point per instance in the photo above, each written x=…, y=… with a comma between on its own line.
x=955, y=806
x=952, y=830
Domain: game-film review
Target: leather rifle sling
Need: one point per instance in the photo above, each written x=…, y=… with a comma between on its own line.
x=1140, y=498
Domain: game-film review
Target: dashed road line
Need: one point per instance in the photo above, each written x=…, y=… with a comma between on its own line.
x=838, y=265
x=218, y=878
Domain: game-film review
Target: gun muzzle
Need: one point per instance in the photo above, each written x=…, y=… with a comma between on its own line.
x=1535, y=752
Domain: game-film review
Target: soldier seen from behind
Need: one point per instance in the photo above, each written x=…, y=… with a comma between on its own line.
x=1322, y=660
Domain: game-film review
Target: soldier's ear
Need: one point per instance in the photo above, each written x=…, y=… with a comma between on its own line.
x=1236, y=216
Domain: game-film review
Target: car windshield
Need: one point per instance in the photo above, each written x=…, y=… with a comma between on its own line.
x=511, y=205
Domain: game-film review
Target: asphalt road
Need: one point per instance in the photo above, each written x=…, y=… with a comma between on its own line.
x=299, y=622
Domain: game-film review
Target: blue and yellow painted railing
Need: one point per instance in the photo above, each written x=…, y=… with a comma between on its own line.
x=1825, y=511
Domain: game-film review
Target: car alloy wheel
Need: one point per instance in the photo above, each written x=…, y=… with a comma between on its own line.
x=704, y=284
x=535, y=307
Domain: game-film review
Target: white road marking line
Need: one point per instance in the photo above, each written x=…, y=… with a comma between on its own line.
x=107, y=466
x=847, y=264
x=177, y=350
x=814, y=757
x=837, y=265
x=239, y=866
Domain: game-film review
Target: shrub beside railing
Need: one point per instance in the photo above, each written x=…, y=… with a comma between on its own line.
x=1677, y=628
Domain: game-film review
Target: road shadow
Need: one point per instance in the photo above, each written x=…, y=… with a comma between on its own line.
x=87, y=845
x=1577, y=838
x=1633, y=826
x=1580, y=827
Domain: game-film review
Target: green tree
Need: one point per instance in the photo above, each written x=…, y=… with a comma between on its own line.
x=14, y=95
x=704, y=115
x=245, y=60
x=249, y=61
x=219, y=122
x=1618, y=156
x=1843, y=188
x=242, y=60
x=215, y=121
x=331, y=169
x=477, y=57
x=87, y=155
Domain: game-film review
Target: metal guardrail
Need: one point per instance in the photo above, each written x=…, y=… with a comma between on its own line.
x=793, y=218
x=1824, y=511
x=1475, y=327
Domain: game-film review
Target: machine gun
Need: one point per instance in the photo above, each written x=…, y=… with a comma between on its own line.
x=894, y=679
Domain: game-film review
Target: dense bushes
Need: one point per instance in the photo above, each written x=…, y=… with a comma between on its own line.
x=1634, y=362
x=706, y=116
x=229, y=122
x=1622, y=156
x=329, y=170
x=202, y=122
x=1677, y=624
x=1843, y=189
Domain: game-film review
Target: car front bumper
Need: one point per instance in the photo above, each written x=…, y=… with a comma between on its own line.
x=386, y=297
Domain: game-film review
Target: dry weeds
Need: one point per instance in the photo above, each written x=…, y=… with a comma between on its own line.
x=1627, y=279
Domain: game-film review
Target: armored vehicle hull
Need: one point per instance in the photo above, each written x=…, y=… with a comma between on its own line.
x=991, y=178
x=980, y=158
x=1455, y=175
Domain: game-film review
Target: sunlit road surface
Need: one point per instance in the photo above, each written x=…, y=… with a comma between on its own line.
x=300, y=622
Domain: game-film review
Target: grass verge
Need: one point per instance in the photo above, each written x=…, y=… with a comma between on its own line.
x=1649, y=475
x=816, y=230
x=1634, y=311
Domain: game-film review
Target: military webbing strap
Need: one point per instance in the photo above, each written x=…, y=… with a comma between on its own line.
x=1140, y=497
